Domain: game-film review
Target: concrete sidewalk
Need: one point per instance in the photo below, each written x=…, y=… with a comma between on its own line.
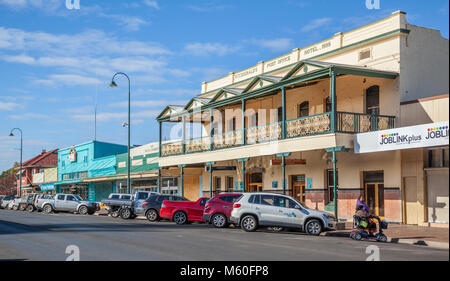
x=435, y=237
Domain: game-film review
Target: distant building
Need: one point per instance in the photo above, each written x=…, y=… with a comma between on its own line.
x=33, y=171
x=91, y=159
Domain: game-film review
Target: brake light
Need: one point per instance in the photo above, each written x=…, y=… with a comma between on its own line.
x=144, y=204
x=237, y=205
x=163, y=205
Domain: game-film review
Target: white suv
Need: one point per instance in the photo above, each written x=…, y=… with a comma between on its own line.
x=256, y=209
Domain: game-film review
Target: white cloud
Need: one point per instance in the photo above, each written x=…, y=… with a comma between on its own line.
x=205, y=49
x=315, y=24
x=129, y=23
x=27, y=116
x=152, y=4
x=87, y=43
x=91, y=53
x=45, y=5
x=8, y=106
x=71, y=79
x=147, y=103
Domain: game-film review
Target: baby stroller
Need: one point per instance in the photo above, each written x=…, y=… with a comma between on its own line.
x=362, y=228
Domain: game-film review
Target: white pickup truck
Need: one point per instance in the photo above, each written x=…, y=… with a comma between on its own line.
x=67, y=203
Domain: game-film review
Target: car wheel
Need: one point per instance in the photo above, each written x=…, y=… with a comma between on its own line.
x=219, y=221
x=313, y=227
x=15, y=208
x=21, y=208
x=358, y=236
x=125, y=213
x=249, y=223
x=83, y=210
x=48, y=209
x=115, y=214
x=152, y=215
x=180, y=217
x=30, y=208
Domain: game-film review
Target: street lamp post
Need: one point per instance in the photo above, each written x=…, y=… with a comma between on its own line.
x=113, y=84
x=21, y=150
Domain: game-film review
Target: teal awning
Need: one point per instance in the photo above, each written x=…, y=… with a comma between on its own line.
x=67, y=182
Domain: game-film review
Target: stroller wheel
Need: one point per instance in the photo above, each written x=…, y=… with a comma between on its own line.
x=382, y=238
x=358, y=236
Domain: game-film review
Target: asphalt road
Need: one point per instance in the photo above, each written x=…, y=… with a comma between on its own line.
x=37, y=236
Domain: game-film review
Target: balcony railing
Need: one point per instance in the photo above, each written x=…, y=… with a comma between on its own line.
x=264, y=133
x=173, y=148
x=198, y=144
x=348, y=122
x=309, y=125
x=345, y=122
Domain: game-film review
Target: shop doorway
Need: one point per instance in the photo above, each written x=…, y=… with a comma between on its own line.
x=254, y=182
x=298, y=188
x=374, y=192
x=410, y=204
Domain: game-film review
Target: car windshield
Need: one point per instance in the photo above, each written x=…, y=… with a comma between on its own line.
x=78, y=198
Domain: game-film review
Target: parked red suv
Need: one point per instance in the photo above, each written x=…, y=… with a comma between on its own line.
x=183, y=212
x=218, y=209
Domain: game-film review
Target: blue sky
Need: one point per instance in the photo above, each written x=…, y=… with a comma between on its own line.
x=54, y=61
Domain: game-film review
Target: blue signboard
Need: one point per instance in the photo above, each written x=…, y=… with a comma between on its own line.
x=308, y=183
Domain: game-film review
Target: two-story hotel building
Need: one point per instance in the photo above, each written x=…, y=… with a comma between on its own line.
x=288, y=125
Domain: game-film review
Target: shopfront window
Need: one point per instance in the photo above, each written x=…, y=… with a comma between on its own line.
x=437, y=158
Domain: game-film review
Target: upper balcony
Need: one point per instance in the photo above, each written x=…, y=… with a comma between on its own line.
x=311, y=99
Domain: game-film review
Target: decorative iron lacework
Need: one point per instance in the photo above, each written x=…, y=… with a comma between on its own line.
x=308, y=125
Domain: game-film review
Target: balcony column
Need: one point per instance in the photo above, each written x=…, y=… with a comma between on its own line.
x=182, y=178
x=334, y=160
x=211, y=130
x=184, y=134
x=283, y=167
x=283, y=109
x=160, y=138
x=210, y=177
x=244, y=139
x=242, y=160
x=159, y=180
x=333, y=100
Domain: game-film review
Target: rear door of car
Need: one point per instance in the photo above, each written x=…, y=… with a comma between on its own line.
x=60, y=202
x=268, y=213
